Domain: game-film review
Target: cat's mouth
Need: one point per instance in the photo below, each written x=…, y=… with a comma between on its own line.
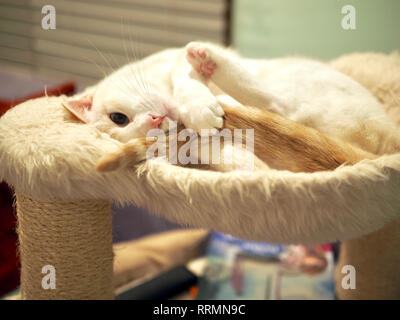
x=163, y=123
x=156, y=121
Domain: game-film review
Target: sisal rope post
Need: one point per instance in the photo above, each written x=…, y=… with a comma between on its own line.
x=73, y=237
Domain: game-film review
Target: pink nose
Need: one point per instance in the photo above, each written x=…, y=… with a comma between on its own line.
x=156, y=120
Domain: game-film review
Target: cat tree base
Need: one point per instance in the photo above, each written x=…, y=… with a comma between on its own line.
x=65, y=248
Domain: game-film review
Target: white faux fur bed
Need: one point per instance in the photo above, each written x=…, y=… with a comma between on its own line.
x=48, y=155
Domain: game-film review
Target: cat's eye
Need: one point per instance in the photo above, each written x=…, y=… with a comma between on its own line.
x=119, y=118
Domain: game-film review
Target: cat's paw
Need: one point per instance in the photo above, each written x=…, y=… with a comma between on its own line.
x=200, y=56
x=204, y=115
x=128, y=154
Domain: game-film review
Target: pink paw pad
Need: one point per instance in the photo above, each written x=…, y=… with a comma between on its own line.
x=201, y=62
x=208, y=68
x=191, y=54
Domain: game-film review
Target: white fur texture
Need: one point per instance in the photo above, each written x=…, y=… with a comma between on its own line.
x=47, y=154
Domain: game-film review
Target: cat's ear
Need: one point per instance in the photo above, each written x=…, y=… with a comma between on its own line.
x=79, y=107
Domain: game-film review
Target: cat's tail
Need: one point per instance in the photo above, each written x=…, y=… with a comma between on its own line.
x=281, y=143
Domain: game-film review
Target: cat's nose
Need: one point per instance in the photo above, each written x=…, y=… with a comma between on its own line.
x=156, y=121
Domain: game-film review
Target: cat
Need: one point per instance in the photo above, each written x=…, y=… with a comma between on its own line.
x=358, y=118
x=142, y=95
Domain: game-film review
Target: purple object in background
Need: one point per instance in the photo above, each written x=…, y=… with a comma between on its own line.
x=133, y=222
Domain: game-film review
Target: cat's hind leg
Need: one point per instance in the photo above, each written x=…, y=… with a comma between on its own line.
x=225, y=69
x=131, y=153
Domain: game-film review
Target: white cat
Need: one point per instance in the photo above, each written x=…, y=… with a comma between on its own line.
x=140, y=95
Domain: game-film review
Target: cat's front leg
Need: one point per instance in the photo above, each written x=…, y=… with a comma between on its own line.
x=197, y=108
x=225, y=69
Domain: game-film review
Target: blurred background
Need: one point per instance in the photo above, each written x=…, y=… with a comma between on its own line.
x=93, y=37
x=274, y=28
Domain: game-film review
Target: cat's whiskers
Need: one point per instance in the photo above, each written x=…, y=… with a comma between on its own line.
x=123, y=88
x=133, y=58
x=140, y=71
x=104, y=72
x=136, y=81
x=138, y=74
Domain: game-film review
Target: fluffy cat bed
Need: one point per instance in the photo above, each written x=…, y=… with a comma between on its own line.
x=63, y=203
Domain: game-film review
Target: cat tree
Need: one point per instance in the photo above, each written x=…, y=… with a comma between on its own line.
x=63, y=204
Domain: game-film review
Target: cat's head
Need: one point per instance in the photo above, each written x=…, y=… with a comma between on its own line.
x=121, y=113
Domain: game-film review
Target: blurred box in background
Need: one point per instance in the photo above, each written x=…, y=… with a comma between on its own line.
x=239, y=269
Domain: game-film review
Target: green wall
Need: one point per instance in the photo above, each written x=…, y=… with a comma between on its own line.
x=270, y=28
